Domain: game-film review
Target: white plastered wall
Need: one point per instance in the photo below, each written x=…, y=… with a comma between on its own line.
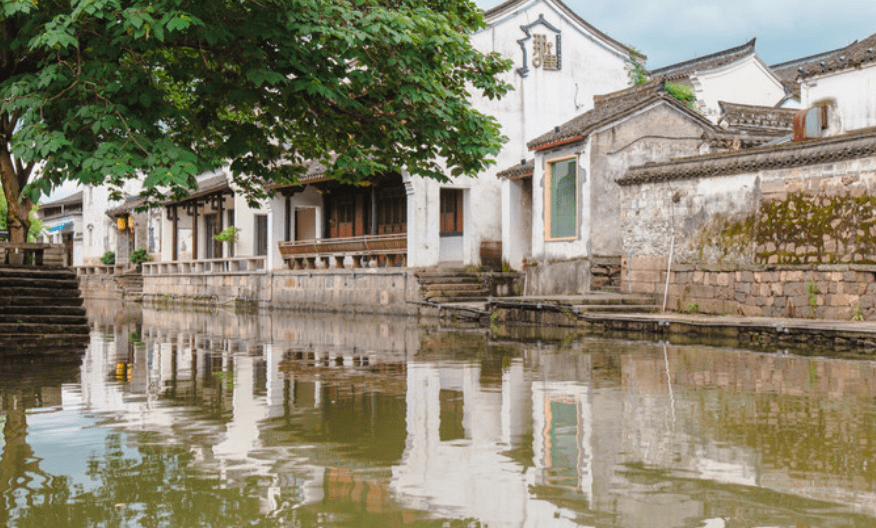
x=854, y=91
x=590, y=65
x=543, y=249
x=746, y=81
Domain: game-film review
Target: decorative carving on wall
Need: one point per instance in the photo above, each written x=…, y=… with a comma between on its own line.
x=546, y=54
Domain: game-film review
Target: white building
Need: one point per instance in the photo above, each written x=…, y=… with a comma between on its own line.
x=845, y=80
x=561, y=62
x=735, y=75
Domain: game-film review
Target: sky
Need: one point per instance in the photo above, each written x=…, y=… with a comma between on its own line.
x=670, y=31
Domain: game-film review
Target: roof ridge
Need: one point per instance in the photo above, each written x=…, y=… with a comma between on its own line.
x=825, y=150
x=810, y=58
x=717, y=55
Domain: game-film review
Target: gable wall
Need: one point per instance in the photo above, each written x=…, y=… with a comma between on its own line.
x=745, y=82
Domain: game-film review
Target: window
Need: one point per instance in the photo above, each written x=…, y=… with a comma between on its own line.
x=451, y=212
x=561, y=200
x=261, y=242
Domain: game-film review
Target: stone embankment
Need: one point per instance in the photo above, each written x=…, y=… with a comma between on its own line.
x=41, y=311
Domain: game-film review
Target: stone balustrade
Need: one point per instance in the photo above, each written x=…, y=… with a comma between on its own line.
x=32, y=254
x=220, y=266
x=353, y=252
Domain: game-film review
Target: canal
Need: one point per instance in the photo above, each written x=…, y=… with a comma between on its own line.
x=184, y=419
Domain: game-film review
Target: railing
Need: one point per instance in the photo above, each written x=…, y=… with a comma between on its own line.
x=104, y=270
x=37, y=255
x=391, y=250
x=223, y=266
x=95, y=270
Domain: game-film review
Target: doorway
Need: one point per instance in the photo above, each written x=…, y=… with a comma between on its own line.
x=451, y=231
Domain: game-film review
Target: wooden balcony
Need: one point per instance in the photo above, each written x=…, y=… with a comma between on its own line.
x=355, y=252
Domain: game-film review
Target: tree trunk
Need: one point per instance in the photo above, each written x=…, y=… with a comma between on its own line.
x=18, y=213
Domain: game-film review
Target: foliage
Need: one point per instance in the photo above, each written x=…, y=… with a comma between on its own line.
x=636, y=68
x=102, y=91
x=228, y=234
x=108, y=258
x=36, y=225
x=693, y=308
x=139, y=256
x=682, y=93
x=811, y=291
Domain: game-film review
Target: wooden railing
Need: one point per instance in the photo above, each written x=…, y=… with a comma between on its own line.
x=392, y=250
x=38, y=255
x=223, y=266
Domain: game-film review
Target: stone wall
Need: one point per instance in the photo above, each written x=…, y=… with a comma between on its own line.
x=558, y=277
x=840, y=291
x=782, y=232
x=366, y=291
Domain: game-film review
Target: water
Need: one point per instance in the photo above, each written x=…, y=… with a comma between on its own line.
x=174, y=419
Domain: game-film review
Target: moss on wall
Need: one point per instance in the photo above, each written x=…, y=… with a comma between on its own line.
x=799, y=228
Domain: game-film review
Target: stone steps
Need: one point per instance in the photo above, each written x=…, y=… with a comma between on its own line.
x=39, y=283
x=39, y=301
x=452, y=286
x=40, y=309
x=43, y=329
x=44, y=318
x=39, y=273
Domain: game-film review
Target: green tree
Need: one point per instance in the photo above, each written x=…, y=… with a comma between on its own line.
x=100, y=91
x=36, y=225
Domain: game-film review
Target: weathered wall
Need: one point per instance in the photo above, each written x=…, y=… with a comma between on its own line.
x=776, y=242
x=817, y=214
x=558, y=277
x=655, y=134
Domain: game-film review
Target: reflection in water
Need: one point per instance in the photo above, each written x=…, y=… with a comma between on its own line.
x=220, y=419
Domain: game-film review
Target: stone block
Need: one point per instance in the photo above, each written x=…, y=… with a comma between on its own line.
x=776, y=289
x=751, y=311
x=723, y=279
x=645, y=276
x=743, y=287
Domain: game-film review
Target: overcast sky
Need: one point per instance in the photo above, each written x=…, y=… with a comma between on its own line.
x=670, y=31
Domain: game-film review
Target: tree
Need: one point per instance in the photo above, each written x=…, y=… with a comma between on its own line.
x=100, y=91
x=36, y=225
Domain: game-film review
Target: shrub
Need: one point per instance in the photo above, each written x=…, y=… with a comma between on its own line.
x=139, y=256
x=108, y=258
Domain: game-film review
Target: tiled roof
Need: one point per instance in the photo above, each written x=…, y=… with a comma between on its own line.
x=130, y=203
x=518, y=172
x=857, y=145
x=757, y=119
x=852, y=56
x=685, y=69
x=610, y=108
x=72, y=199
x=207, y=186
x=724, y=140
x=789, y=70
x=491, y=15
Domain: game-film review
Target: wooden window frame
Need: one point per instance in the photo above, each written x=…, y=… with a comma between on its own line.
x=548, y=175
x=458, y=211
